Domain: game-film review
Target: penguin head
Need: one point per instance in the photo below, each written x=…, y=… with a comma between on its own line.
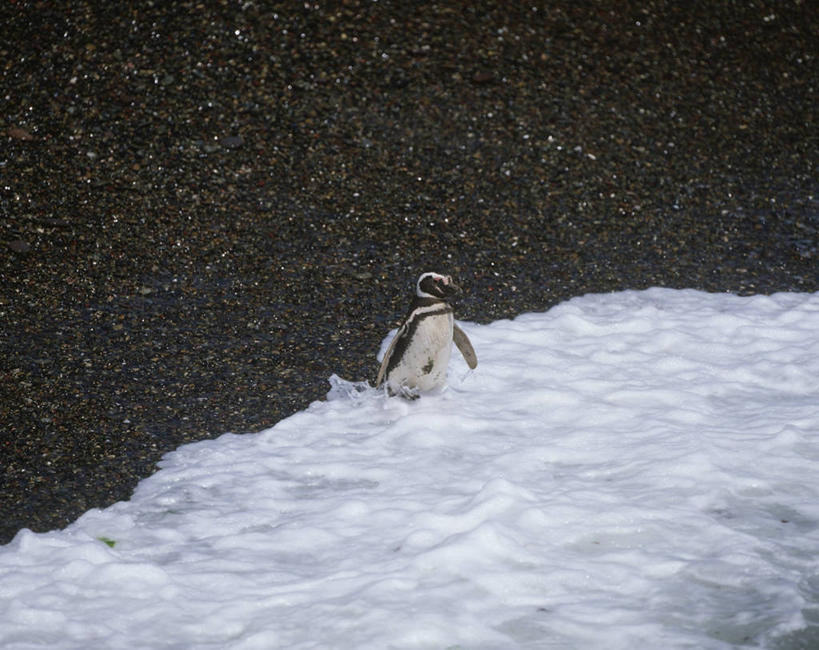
x=435, y=285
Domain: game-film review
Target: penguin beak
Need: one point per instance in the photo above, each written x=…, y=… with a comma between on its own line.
x=452, y=288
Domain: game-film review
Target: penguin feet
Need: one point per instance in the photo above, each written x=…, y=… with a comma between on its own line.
x=407, y=393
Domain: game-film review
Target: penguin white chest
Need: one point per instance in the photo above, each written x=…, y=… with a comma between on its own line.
x=424, y=361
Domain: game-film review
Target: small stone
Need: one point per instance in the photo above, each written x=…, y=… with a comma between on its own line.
x=53, y=222
x=19, y=133
x=19, y=246
x=232, y=141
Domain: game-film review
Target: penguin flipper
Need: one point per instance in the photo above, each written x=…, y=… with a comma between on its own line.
x=462, y=341
x=382, y=371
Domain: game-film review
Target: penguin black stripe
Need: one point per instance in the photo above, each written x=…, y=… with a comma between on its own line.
x=421, y=303
x=410, y=327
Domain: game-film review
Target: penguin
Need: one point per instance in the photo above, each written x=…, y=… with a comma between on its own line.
x=417, y=357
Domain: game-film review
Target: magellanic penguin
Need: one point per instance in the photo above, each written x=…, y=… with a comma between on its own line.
x=417, y=358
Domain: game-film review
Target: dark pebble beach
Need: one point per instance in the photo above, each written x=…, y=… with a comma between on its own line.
x=208, y=208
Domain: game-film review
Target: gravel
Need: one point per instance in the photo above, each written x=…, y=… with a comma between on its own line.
x=208, y=208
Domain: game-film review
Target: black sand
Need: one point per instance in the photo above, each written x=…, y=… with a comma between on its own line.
x=208, y=208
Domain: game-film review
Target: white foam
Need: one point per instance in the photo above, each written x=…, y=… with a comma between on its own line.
x=627, y=470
